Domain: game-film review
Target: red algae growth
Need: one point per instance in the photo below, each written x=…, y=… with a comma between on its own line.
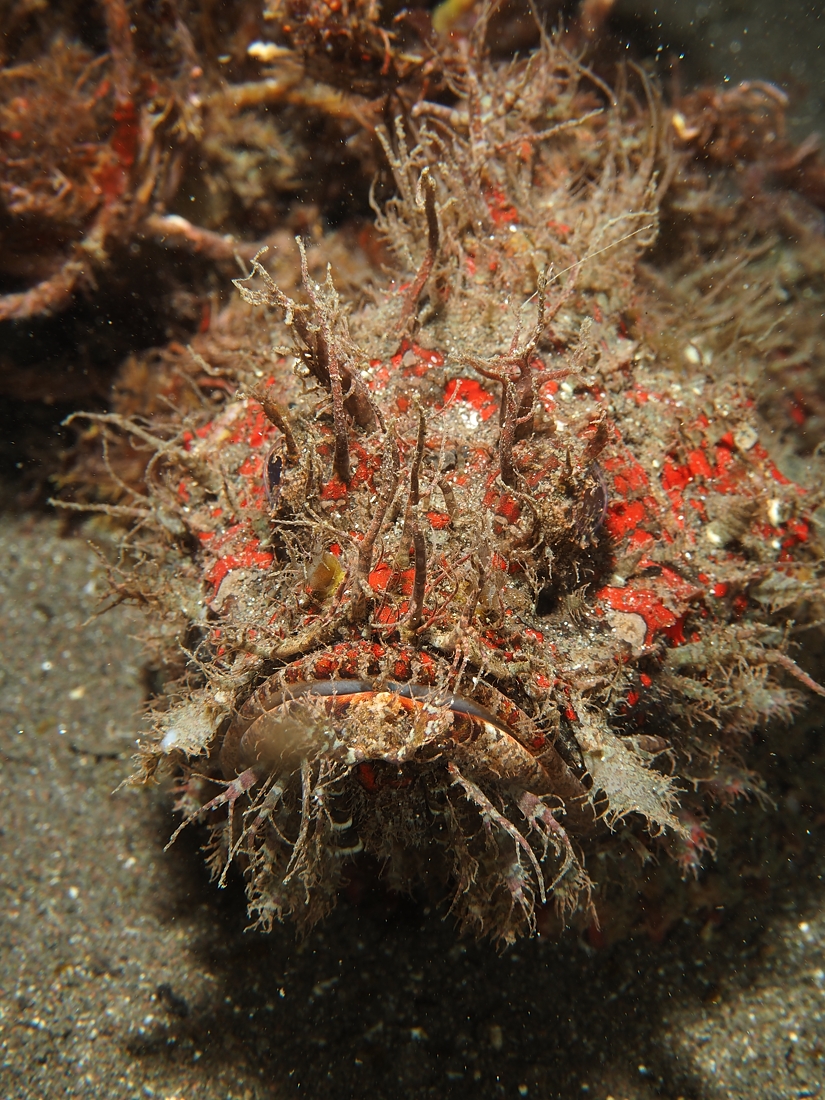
x=488, y=573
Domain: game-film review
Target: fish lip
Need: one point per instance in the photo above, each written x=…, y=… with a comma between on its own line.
x=348, y=690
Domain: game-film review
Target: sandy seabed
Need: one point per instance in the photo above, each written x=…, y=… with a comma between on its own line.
x=125, y=973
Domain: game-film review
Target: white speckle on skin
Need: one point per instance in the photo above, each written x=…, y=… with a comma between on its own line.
x=170, y=740
x=745, y=437
x=470, y=418
x=776, y=513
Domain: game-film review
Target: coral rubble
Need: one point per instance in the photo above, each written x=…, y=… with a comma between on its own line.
x=484, y=570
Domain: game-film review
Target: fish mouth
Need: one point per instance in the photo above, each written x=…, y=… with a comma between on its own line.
x=270, y=729
x=350, y=720
x=345, y=692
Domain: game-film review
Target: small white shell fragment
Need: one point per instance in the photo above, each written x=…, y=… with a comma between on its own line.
x=680, y=125
x=714, y=535
x=170, y=740
x=777, y=513
x=266, y=51
x=745, y=437
x=629, y=626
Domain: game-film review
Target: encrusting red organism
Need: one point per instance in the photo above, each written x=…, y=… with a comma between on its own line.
x=468, y=575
